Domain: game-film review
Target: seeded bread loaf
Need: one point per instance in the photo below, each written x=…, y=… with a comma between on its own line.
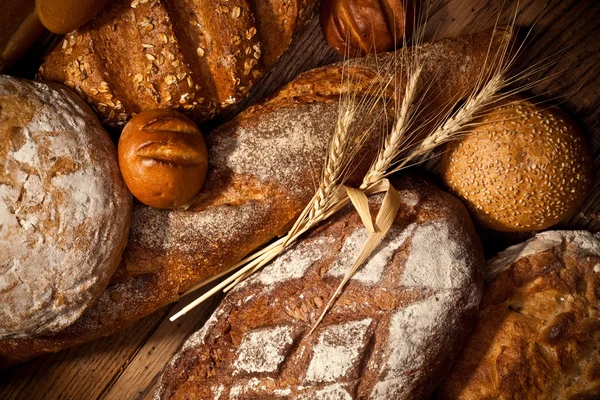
x=392, y=334
x=538, y=330
x=263, y=167
x=198, y=56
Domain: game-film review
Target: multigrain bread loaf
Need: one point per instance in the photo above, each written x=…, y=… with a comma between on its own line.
x=264, y=166
x=198, y=56
x=392, y=334
x=64, y=209
x=538, y=333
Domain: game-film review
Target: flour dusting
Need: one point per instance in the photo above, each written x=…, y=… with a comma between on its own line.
x=263, y=350
x=331, y=392
x=411, y=344
x=372, y=271
x=436, y=259
x=337, y=351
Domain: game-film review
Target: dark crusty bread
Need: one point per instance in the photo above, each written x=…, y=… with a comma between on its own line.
x=392, y=334
x=263, y=168
x=198, y=56
x=538, y=333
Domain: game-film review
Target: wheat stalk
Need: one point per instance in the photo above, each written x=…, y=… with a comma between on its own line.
x=392, y=143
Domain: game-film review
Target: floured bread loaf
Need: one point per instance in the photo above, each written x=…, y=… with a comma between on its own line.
x=538, y=334
x=391, y=335
x=64, y=209
x=264, y=165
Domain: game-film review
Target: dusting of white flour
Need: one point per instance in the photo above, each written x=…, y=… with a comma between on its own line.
x=436, y=259
x=337, y=350
x=263, y=350
x=372, y=271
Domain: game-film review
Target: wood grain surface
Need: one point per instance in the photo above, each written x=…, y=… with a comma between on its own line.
x=127, y=365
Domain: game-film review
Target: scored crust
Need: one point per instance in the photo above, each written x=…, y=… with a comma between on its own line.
x=197, y=56
x=64, y=209
x=538, y=334
x=392, y=334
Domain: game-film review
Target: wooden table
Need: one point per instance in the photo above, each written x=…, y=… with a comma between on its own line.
x=127, y=366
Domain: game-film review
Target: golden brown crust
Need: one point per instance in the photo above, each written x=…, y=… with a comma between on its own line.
x=64, y=16
x=197, y=56
x=163, y=158
x=524, y=168
x=263, y=168
x=392, y=334
x=359, y=27
x=538, y=332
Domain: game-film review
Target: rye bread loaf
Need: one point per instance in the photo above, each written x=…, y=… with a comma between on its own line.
x=64, y=209
x=263, y=168
x=538, y=330
x=392, y=334
x=197, y=56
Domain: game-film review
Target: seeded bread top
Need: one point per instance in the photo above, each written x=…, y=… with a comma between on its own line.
x=199, y=57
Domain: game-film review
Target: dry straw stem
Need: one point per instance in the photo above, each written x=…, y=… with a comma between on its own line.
x=383, y=223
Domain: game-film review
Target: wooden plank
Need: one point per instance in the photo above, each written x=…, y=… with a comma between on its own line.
x=81, y=372
x=127, y=366
x=140, y=377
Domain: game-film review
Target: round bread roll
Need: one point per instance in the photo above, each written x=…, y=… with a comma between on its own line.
x=64, y=209
x=360, y=27
x=523, y=168
x=163, y=158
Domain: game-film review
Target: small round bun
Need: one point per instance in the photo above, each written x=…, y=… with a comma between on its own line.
x=525, y=167
x=360, y=27
x=64, y=209
x=163, y=158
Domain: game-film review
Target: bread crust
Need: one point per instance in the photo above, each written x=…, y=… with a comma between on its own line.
x=263, y=168
x=392, y=334
x=538, y=330
x=522, y=176
x=64, y=209
x=197, y=56
x=163, y=158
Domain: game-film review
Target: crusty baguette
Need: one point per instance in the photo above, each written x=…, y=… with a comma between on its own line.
x=392, y=334
x=198, y=56
x=537, y=336
x=263, y=168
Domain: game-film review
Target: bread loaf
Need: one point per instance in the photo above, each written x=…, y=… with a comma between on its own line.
x=64, y=209
x=392, y=334
x=198, y=56
x=263, y=166
x=538, y=333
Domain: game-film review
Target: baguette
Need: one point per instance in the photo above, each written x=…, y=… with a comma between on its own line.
x=197, y=56
x=263, y=168
x=392, y=334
